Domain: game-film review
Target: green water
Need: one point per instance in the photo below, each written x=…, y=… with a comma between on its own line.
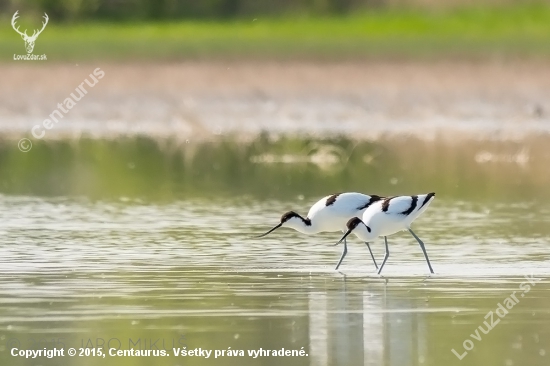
x=278, y=167
x=134, y=243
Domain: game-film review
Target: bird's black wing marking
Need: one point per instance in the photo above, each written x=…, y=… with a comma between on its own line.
x=414, y=202
x=386, y=203
x=427, y=199
x=332, y=199
x=373, y=198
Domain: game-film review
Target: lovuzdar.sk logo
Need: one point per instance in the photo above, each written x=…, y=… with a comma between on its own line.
x=29, y=40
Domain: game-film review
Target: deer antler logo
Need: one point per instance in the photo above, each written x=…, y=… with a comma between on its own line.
x=29, y=41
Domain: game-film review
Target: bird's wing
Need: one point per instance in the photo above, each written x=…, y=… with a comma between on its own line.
x=318, y=206
x=343, y=205
x=348, y=204
x=404, y=205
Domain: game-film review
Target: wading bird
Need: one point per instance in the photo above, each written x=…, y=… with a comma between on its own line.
x=388, y=216
x=330, y=213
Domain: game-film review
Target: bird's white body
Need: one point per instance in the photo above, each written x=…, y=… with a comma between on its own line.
x=331, y=213
x=391, y=215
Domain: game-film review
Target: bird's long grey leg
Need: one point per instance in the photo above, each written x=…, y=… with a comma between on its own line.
x=385, y=256
x=423, y=250
x=372, y=256
x=344, y=252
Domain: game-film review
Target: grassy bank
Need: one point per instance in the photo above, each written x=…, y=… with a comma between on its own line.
x=516, y=31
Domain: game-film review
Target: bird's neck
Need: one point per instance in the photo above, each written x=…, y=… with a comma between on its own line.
x=363, y=233
x=305, y=226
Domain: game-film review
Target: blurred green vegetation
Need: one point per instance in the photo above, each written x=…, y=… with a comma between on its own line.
x=278, y=168
x=71, y=10
x=171, y=9
x=518, y=30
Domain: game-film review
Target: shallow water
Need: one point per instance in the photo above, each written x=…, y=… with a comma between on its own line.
x=132, y=274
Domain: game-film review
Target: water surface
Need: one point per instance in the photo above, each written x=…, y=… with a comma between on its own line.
x=128, y=273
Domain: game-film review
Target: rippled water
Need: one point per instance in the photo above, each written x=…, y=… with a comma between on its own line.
x=132, y=274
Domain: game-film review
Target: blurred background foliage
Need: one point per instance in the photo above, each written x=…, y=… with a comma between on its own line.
x=70, y=10
x=91, y=30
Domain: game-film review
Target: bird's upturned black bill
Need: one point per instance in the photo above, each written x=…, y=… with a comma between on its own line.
x=343, y=237
x=276, y=227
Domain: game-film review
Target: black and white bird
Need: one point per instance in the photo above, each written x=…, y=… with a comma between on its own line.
x=388, y=216
x=331, y=213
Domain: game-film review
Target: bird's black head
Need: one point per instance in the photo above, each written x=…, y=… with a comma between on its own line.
x=351, y=225
x=353, y=222
x=289, y=215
